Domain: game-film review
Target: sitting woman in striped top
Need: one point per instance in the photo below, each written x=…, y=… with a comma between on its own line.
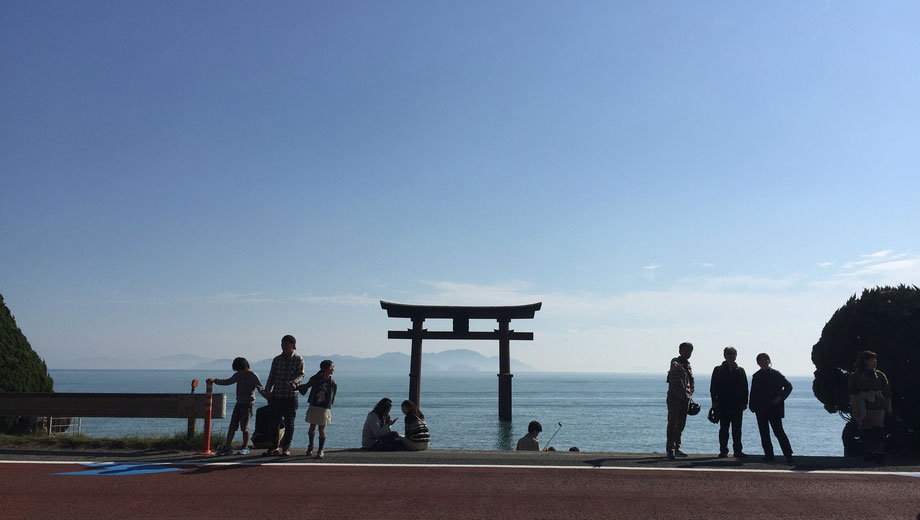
x=417, y=435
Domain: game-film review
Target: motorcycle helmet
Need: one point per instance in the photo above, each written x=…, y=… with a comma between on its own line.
x=713, y=416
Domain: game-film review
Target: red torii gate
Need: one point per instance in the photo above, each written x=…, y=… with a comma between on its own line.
x=461, y=317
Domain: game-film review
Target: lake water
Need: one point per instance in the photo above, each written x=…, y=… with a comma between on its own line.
x=599, y=412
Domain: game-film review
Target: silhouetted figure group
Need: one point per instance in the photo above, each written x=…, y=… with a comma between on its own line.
x=729, y=392
x=285, y=380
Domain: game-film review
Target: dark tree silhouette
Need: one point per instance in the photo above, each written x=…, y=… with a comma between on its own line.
x=885, y=320
x=21, y=370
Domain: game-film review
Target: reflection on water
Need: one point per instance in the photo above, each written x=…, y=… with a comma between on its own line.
x=504, y=436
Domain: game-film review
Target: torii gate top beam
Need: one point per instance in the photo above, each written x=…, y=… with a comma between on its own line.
x=509, y=312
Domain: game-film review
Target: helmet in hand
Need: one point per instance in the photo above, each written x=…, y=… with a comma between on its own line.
x=713, y=416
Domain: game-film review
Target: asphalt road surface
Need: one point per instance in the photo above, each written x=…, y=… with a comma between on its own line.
x=306, y=489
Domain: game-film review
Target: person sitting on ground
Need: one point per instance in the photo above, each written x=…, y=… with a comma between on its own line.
x=247, y=382
x=417, y=436
x=529, y=442
x=376, y=434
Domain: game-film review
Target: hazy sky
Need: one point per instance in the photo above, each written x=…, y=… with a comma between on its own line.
x=205, y=177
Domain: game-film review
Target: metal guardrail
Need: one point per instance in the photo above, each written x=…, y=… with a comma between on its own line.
x=178, y=406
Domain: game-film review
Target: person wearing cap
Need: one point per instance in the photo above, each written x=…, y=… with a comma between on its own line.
x=680, y=390
x=529, y=442
x=729, y=392
x=281, y=392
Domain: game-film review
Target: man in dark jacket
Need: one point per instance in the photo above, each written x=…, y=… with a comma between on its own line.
x=729, y=391
x=769, y=389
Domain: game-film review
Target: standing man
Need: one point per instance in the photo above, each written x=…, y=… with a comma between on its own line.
x=729, y=391
x=281, y=392
x=680, y=389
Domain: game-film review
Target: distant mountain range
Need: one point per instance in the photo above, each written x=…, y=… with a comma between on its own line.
x=458, y=360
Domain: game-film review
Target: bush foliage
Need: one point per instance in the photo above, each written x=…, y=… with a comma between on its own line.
x=21, y=370
x=885, y=320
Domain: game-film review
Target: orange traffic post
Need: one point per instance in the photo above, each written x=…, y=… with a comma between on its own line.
x=207, y=422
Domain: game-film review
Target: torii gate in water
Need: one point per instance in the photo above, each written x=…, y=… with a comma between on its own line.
x=461, y=317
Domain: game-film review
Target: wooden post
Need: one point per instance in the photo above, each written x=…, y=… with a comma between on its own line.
x=504, y=370
x=415, y=364
x=191, y=418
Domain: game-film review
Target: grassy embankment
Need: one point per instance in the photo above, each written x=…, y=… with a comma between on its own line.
x=179, y=442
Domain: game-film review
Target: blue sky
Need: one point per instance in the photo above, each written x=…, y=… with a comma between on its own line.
x=205, y=177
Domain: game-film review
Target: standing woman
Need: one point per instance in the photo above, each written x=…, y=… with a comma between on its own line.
x=870, y=402
x=769, y=389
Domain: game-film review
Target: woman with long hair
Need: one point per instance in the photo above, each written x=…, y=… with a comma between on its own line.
x=376, y=434
x=417, y=435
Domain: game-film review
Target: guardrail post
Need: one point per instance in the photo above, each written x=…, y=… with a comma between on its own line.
x=207, y=422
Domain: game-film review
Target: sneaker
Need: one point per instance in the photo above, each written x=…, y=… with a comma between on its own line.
x=679, y=453
x=309, y=450
x=225, y=450
x=244, y=451
x=723, y=454
x=671, y=455
x=286, y=453
x=739, y=455
x=319, y=454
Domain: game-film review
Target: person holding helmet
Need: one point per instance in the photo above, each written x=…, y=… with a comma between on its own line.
x=680, y=390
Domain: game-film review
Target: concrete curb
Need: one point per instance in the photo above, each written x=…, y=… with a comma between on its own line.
x=472, y=458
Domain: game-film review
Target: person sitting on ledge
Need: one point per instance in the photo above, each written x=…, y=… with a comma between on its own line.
x=529, y=442
x=376, y=435
x=417, y=435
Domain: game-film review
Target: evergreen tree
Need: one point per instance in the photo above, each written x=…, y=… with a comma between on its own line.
x=885, y=320
x=21, y=370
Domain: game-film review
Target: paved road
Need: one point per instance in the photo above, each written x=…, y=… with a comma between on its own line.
x=304, y=488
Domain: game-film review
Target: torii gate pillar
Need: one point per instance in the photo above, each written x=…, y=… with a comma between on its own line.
x=504, y=370
x=415, y=363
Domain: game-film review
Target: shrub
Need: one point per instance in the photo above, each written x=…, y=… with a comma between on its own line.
x=21, y=370
x=885, y=320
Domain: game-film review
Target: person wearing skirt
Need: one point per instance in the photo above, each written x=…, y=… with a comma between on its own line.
x=322, y=395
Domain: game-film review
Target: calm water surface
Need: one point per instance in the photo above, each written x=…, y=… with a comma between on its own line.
x=599, y=412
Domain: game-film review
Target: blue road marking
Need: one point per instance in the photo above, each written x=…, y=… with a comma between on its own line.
x=122, y=469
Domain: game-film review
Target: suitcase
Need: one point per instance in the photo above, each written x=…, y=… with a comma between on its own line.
x=261, y=437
